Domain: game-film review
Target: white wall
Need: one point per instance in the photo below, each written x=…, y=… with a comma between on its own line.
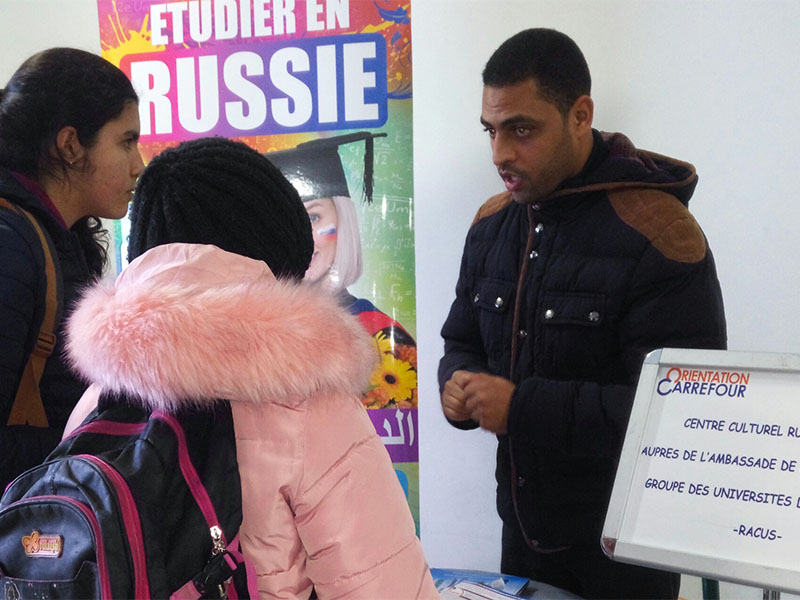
x=714, y=82
x=27, y=26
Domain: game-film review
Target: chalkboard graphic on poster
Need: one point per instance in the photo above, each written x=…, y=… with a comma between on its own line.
x=709, y=476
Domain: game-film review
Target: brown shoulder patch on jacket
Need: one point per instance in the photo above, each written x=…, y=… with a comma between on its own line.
x=663, y=220
x=492, y=205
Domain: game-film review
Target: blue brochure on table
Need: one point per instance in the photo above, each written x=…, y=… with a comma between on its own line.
x=508, y=584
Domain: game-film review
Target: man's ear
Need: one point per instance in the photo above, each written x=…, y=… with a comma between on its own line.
x=68, y=146
x=581, y=114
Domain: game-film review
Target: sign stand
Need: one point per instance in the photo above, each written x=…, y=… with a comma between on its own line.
x=708, y=481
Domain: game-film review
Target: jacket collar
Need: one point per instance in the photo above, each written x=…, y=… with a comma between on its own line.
x=41, y=195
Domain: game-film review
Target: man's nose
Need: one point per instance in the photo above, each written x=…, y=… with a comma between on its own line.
x=502, y=150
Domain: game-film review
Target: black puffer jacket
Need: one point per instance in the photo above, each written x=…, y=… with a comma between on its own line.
x=22, y=288
x=611, y=266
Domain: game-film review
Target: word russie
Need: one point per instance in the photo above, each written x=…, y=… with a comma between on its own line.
x=704, y=383
x=262, y=89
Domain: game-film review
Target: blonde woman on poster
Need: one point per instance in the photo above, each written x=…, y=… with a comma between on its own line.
x=315, y=169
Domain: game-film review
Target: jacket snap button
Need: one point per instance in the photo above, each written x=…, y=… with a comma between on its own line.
x=533, y=254
x=536, y=206
x=522, y=333
x=539, y=228
x=499, y=302
x=549, y=313
x=476, y=298
x=520, y=481
x=594, y=316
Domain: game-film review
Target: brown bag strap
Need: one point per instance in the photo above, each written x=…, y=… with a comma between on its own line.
x=28, y=408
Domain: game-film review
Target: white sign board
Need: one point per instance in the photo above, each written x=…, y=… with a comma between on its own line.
x=709, y=476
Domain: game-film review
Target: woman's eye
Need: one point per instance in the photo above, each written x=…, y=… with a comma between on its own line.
x=313, y=218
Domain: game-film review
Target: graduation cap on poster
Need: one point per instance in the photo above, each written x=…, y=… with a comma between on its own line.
x=315, y=168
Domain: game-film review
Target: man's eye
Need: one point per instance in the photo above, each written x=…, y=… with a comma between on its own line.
x=522, y=131
x=490, y=131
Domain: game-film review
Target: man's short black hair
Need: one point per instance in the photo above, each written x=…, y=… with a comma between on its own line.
x=549, y=57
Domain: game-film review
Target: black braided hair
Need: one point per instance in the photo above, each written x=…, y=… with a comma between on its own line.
x=218, y=191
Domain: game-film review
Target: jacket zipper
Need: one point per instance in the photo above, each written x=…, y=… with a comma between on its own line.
x=514, y=336
x=522, y=272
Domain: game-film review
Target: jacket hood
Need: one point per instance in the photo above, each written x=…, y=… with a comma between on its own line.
x=188, y=324
x=626, y=166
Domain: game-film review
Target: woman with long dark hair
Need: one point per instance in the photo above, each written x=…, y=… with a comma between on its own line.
x=69, y=130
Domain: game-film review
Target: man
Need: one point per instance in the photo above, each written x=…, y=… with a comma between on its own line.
x=587, y=262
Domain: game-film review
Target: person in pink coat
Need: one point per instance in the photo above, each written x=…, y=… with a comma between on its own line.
x=211, y=307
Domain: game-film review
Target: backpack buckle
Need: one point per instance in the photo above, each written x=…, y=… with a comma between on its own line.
x=45, y=344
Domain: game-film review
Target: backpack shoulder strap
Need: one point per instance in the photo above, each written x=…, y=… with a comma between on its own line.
x=28, y=408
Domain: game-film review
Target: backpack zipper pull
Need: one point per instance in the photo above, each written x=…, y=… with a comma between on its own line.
x=217, y=549
x=216, y=539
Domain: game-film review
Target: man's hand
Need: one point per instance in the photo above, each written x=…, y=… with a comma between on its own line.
x=480, y=397
x=488, y=399
x=453, y=398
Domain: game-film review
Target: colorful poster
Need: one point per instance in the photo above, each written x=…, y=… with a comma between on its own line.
x=323, y=88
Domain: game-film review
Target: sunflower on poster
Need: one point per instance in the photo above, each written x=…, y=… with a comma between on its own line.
x=393, y=383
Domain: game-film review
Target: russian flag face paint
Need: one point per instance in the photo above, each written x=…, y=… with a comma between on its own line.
x=324, y=222
x=328, y=233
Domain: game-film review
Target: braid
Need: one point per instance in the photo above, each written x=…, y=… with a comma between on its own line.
x=216, y=191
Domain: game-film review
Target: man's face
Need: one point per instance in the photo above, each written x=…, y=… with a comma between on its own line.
x=534, y=146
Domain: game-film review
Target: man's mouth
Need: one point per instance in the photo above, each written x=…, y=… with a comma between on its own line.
x=512, y=180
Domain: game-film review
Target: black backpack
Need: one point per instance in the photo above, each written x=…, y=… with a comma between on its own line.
x=133, y=504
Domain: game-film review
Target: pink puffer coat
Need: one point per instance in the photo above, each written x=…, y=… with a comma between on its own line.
x=322, y=505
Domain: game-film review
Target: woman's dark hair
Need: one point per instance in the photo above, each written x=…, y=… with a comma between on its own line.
x=221, y=192
x=547, y=56
x=53, y=89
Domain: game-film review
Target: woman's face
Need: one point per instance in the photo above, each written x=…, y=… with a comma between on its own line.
x=324, y=222
x=114, y=163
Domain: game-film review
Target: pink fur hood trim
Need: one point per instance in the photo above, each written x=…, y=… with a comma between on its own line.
x=187, y=323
